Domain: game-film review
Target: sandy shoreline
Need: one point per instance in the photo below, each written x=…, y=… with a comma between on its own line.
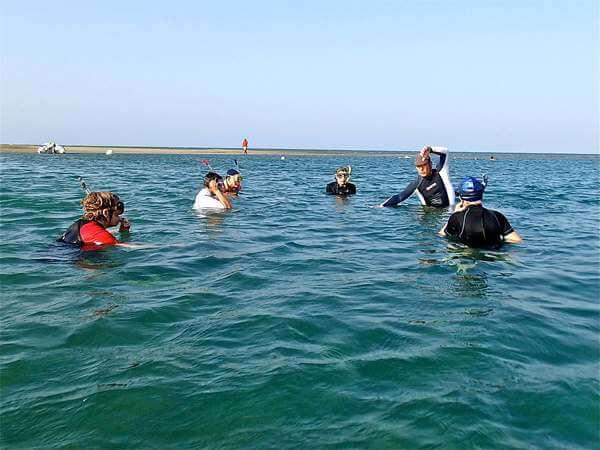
x=97, y=149
x=80, y=149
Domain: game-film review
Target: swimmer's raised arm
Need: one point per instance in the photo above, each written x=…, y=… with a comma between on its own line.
x=442, y=152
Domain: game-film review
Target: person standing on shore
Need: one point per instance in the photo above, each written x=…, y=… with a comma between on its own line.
x=432, y=186
x=474, y=225
x=245, y=146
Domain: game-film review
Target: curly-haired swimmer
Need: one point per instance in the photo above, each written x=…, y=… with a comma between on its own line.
x=101, y=210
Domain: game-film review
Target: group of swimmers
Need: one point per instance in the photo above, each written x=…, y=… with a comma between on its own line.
x=216, y=190
x=470, y=223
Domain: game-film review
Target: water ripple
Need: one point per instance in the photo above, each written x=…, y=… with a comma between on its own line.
x=298, y=319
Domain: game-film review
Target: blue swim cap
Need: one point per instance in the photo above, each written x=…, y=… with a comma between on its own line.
x=471, y=189
x=232, y=172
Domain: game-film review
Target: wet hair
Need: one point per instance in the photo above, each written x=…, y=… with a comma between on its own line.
x=212, y=176
x=232, y=172
x=344, y=169
x=420, y=161
x=99, y=206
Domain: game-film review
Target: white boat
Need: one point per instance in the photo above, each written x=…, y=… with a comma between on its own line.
x=50, y=148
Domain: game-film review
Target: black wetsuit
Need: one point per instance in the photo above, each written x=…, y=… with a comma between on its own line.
x=72, y=236
x=477, y=226
x=335, y=189
x=431, y=188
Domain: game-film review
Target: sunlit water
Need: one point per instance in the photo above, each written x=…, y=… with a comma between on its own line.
x=298, y=320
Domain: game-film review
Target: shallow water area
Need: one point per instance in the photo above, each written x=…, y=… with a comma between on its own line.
x=298, y=319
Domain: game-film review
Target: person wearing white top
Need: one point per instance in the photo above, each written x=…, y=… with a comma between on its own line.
x=211, y=195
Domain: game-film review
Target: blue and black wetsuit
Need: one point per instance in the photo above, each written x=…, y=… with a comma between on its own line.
x=434, y=190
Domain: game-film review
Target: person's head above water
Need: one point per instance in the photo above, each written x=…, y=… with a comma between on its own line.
x=212, y=176
x=233, y=179
x=342, y=175
x=103, y=207
x=423, y=162
x=471, y=189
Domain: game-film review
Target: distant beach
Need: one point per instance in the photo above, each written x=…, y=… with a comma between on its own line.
x=124, y=150
x=79, y=149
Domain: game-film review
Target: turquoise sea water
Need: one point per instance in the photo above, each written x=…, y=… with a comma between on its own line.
x=298, y=320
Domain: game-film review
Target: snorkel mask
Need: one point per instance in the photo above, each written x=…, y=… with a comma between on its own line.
x=220, y=183
x=234, y=172
x=346, y=171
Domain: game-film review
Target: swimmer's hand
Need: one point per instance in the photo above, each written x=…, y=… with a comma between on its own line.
x=425, y=152
x=214, y=190
x=213, y=187
x=124, y=225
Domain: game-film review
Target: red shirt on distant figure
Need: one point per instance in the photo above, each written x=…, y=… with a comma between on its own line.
x=245, y=146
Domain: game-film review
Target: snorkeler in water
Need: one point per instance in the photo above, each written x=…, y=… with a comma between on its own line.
x=474, y=225
x=212, y=194
x=432, y=186
x=233, y=182
x=341, y=185
x=101, y=210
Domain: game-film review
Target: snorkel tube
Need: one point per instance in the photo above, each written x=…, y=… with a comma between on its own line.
x=207, y=164
x=344, y=169
x=120, y=206
x=230, y=172
x=84, y=186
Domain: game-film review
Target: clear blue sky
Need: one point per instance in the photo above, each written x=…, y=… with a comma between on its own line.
x=471, y=75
